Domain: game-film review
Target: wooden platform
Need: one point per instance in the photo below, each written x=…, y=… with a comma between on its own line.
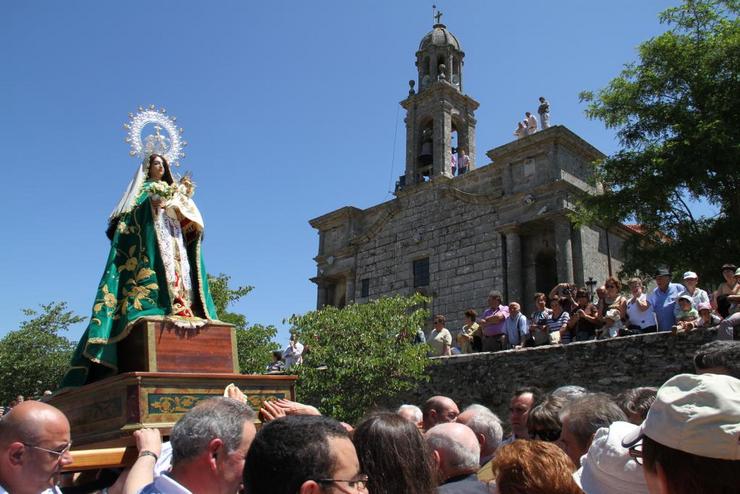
x=107, y=412
x=165, y=371
x=155, y=345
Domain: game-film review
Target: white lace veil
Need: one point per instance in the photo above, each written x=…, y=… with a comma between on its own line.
x=128, y=200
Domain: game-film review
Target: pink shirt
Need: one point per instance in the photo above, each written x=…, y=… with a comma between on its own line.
x=498, y=328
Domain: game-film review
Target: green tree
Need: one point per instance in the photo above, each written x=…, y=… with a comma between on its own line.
x=35, y=356
x=355, y=358
x=676, y=112
x=254, y=343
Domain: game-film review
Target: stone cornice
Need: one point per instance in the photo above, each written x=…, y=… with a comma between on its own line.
x=558, y=134
x=436, y=91
x=469, y=198
x=335, y=218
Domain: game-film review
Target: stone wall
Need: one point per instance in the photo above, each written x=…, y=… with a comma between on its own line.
x=459, y=239
x=606, y=365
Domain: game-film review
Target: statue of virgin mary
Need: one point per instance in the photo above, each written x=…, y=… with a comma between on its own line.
x=154, y=268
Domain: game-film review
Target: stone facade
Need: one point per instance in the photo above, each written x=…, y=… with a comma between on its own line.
x=609, y=366
x=500, y=226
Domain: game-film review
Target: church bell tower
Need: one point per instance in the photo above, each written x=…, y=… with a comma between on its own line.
x=438, y=110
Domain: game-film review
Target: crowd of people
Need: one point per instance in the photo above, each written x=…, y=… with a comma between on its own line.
x=569, y=314
x=681, y=438
x=528, y=126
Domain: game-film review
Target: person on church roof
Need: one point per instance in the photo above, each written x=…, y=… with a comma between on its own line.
x=544, y=112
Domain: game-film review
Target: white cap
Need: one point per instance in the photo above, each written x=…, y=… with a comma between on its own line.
x=607, y=467
x=690, y=275
x=696, y=414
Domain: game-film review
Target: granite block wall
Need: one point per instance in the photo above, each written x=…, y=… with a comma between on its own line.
x=609, y=366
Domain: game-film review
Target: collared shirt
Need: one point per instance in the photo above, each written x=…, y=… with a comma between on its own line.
x=664, y=304
x=495, y=329
x=164, y=484
x=516, y=328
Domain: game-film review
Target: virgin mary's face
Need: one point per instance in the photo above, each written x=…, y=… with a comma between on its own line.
x=156, y=169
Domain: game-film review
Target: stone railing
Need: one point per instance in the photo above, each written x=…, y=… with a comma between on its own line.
x=609, y=366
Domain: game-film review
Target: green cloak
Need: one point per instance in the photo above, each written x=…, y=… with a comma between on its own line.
x=134, y=285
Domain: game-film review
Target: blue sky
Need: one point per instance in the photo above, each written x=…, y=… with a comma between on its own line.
x=290, y=108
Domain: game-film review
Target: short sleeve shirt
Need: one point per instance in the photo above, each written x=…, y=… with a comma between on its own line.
x=498, y=328
x=439, y=339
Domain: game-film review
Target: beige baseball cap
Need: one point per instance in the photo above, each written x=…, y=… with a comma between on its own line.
x=696, y=414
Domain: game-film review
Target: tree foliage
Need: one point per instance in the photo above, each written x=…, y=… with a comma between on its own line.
x=35, y=356
x=354, y=357
x=676, y=112
x=254, y=343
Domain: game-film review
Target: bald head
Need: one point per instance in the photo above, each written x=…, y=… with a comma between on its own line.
x=439, y=410
x=34, y=447
x=28, y=420
x=456, y=449
x=486, y=426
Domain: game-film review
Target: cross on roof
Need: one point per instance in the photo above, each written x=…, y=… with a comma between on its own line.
x=438, y=16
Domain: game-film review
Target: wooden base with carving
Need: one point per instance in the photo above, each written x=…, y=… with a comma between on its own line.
x=111, y=409
x=164, y=372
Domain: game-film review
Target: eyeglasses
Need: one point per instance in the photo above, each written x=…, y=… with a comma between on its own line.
x=636, y=453
x=611, y=286
x=57, y=452
x=359, y=483
x=546, y=435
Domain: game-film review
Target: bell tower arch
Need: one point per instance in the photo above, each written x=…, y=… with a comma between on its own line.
x=438, y=109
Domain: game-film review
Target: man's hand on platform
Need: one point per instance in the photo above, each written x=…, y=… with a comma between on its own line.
x=295, y=408
x=232, y=391
x=149, y=440
x=270, y=411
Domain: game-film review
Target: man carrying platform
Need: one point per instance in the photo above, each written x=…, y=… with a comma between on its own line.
x=34, y=447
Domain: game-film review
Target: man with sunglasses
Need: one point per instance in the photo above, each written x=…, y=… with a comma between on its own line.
x=34, y=447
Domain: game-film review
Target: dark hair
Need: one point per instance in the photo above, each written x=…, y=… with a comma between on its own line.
x=637, y=401
x=581, y=293
x=471, y=314
x=546, y=415
x=590, y=413
x=167, y=176
x=719, y=353
x=687, y=473
x=439, y=318
x=538, y=295
x=394, y=455
x=289, y=451
x=537, y=393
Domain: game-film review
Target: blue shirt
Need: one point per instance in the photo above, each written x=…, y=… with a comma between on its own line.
x=516, y=329
x=664, y=304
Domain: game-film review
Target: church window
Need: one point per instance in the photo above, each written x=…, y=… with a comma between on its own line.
x=365, y=288
x=421, y=272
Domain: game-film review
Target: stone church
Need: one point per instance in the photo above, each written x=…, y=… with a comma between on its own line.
x=502, y=226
